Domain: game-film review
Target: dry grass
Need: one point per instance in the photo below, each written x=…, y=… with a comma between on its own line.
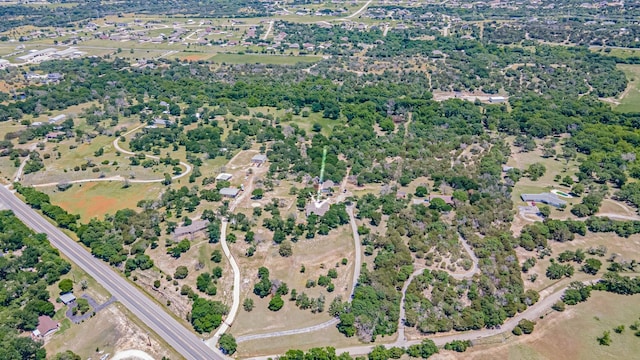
x=627, y=248
x=571, y=334
x=97, y=199
x=318, y=255
x=112, y=329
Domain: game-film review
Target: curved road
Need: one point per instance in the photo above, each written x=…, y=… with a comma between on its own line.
x=533, y=312
x=187, y=171
x=236, y=288
x=149, y=312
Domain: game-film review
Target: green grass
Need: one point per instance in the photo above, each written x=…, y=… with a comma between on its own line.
x=262, y=59
x=631, y=100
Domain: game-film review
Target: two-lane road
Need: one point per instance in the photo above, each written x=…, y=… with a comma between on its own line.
x=154, y=316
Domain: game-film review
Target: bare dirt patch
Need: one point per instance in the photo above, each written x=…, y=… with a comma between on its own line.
x=110, y=331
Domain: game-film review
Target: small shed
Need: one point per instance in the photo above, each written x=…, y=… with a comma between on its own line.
x=497, y=99
x=67, y=298
x=224, y=177
x=259, y=159
x=229, y=192
x=57, y=118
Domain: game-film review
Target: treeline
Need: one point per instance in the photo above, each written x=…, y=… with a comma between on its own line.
x=28, y=265
x=41, y=201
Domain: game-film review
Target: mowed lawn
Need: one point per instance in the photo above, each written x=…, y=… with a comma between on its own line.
x=91, y=200
x=631, y=100
x=262, y=59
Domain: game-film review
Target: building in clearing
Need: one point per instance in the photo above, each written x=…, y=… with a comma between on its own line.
x=223, y=177
x=229, y=192
x=57, y=118
x=259, y=159
x=497, y=99
x=317, y=208
x=545, y=198
x=190, y=230
x=46, y=326
x=67, y=298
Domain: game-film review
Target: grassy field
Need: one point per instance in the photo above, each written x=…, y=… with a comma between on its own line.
x=571, y=334
x=317, y=255
x=262, y=59
x=626, y=248
x=630, y=101
x=97, y=199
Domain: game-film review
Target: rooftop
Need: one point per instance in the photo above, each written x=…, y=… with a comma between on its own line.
x=190, y=229
x=233, y=192
x=67, y=298
x=259, y=158
x=45, y=325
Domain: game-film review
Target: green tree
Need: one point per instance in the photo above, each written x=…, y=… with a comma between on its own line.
x=257, y=193
x=227, y=344
x=82, y=305
x=67, y=355
x=248, y=304
x=423, y=350
x=591, y=266
x=536, y=171
x=605, y=339
x=181, y=272
x=65, y=286
x=276, y=303
x=421, y=191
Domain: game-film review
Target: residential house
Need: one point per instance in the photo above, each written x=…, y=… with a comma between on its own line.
x=46, y=326
x=229, y=192
x=259, y=159
x=190, y=230
x=545, y=198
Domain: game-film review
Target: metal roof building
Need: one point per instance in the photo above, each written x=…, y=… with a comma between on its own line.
x=545, y=198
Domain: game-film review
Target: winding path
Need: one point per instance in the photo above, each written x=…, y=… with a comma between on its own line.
x=116, y=145
x=533, y=312
x=236, y=288
x=474, y=269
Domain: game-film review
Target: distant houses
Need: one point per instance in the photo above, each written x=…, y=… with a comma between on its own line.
x=545, y=198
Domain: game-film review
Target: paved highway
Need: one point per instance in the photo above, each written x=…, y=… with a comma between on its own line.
x=154, y=316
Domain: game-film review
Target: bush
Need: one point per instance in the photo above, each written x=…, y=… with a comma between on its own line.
x=248, y=304
x=458, y=345
x=227, y=344
x=276, y=303
x=181, y=272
